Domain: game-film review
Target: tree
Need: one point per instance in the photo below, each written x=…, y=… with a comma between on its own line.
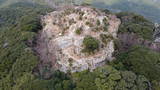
x=84, y=80
x=90, y=44
x=108, y=78
x=143, y=61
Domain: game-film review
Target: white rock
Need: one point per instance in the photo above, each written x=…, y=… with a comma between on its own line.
x=69, y=44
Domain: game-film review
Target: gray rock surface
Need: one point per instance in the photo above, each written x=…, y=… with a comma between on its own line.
x=62, y=41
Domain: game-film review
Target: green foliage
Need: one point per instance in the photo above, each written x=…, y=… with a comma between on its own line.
x=108, y=78
x=133, y=17
x=105, y=28
x=105, y=21
x=141, y=61
x=112, y=79
x=142, y=31
x=138, y=59
x=98, y=22
x=106, y=38
x=59, y=81
x=132, y=23
x=79, y=31
x=30, y=24
x=89, y=24
x=90, y=44
x=84, y=80
x=107, y=11
x=156, y=85
x=106, y=24
x=19, y=22
x=80, y=17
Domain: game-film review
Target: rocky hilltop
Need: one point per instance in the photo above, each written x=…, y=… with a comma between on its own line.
x=77, y=38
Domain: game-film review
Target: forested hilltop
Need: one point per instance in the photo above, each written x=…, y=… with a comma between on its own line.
x=136, y=65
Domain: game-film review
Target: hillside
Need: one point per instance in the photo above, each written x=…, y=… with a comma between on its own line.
x=155, y=3
x=40, y=46
x=5, y=3
x=148, y=8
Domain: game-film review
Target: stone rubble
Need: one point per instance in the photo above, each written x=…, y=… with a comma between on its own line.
x=59, y=31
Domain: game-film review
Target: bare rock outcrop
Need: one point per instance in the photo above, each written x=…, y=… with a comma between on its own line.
x=63, y=34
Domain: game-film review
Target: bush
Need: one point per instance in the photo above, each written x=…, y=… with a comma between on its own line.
x=105, y=28
x=80, y=17
x=105, y=20
x=79, y=31
x=105, y=38
x=90, y=44
x=89, y=24
x=98, y=23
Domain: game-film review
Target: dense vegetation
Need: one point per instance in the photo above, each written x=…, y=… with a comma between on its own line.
x=18, y=23
x=108, y=78
x=90, y=44
x=135, y=69
x=147, y=64
x=140, y=60
x=137, y=24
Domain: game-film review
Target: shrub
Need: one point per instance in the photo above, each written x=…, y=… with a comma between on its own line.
x=105, y=28
x=107, y=11
x=98, y=23
x=90, y=44
x=80, y=17
x=106, y=24
x=96, y=29
x=105, y=38
x=89, y=24
x=104, y=20
x=81, y=13
x=70, y=61
x=71, y=21
x=78, y=31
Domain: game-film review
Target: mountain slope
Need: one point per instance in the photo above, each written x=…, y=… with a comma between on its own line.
x=4, y=3
x=148, y=8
